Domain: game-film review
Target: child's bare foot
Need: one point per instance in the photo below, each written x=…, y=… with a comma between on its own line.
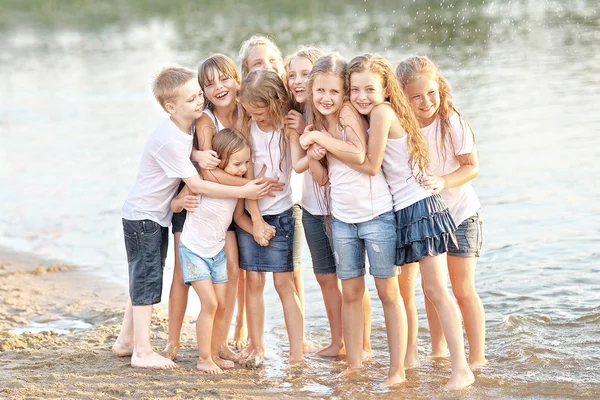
x=151, y=360
x=394, y=379
x=122, y=348
x=412, y=359
x=350, y=371
x=308, y=347
x=254, y=360
x=333, y=350
x=223, y=364
x=460, y=380
x=240, y=337
x=208, y=367
x=245, y=353
x=170, y=351
x=296, y=360
x=438, y=352
x=227, y=354
x=477, y=364
x=367, y=353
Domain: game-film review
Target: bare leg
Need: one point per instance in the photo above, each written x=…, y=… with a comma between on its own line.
x=366, y=306
x=254, y=352
x=204, y=326
x=395, y=326
x=332, y=298
x=439, y=347
x=233, y=272
x=123, y=346
x=292, y=313
x=240, y=335
x=434, y=273
x=178, y=298
x=143, y=356
x=353, y=320
x=297, y=260
x=406, y=280
x=219, y=332
x=462, y=277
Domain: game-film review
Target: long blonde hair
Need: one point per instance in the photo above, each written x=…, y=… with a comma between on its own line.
x=251, y=43
x=262, y=88
x=413, y=68
x=418, y=159
x=312, y=54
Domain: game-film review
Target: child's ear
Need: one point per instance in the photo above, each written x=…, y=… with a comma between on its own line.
x=170, y=107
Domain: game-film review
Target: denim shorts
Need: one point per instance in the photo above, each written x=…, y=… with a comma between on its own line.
x=469, y=238
x=196, y=268
x=319, y=243
x=277, y=256
x=178, y=218
x=377, y=237
x=146, y=243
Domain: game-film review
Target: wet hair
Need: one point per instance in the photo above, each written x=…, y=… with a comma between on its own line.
x=312, y=54
x=223, y=65
x=227, y=142
x=168, y=81
x=251, y=43
x=418, y=159
x=413, y=68
x=263, y=88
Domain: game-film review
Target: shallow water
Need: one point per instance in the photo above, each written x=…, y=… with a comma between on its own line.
x=76, y=109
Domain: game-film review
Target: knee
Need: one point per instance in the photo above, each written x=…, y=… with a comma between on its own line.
x=283, y=284
x=464, y=293
x=350, y=295
x=209, y=306
x=254, y=283
x=433, y=293
x=327, y=281
x=388, y=296
x=233, y=271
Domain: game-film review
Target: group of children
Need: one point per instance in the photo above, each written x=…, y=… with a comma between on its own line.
x=386, y=163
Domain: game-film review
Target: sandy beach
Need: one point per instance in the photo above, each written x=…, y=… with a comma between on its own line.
x=78, y=363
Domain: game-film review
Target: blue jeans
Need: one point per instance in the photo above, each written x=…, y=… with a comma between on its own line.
x=146, y=243
x=377, y=237
x=319, y=243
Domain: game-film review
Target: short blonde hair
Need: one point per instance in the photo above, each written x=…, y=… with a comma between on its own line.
x=168, y=81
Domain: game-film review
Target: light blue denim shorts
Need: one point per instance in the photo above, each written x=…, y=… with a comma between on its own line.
x=376, y=237
x=469, y=238
x=195, y=268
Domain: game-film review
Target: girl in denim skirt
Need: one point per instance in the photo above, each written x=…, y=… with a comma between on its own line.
x=361, y=206
x=269, y=248
x=454, y=163
x=424, y=223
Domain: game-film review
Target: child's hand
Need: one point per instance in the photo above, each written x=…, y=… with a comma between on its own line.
x=257, y=189
x=306, y=139
x=269, y=232
x=316, y=151
x=259, y=231
x=276, y=186
x=434, y=182
x=295, y=121
x=207, y=159
x=190, y=202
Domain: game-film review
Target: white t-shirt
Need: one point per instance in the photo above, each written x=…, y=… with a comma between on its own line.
x=165, y=161
x=461, y=200
x=265, y=150
x=204, y=229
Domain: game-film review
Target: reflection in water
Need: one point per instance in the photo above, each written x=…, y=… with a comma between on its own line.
x=76, y=109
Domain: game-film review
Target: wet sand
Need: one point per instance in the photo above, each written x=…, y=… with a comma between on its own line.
x=78, y=364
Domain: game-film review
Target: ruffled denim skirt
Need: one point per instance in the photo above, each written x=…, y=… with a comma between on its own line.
x=424, y=228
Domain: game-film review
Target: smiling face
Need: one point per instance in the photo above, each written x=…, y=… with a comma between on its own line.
x=264, y=57
x=299, y=70
x=189, y=102
x=220, y=89
x=238, y=162
x=366, y=91
x=424, y=97
x=328, y=94
x=260, y=115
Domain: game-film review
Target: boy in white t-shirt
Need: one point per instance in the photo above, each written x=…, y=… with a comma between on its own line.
x=147, y=213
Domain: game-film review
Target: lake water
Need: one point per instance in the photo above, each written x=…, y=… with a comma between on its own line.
x=76, y=110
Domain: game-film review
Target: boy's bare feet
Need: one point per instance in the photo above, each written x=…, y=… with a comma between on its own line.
x=227, y=354
x=394, y=379
x=170, y=351
x=333, y=350
x=151, y=360
x=477, y=364
x=254, y=360
x=122, y=348
x=460, y=380
x=223, y=364
x=208, y=367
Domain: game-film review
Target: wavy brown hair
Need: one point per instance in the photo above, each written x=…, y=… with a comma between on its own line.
x=224, y=65
x=413, y=68
x=312, y=54
x=418, y=159
x=227, y=142
x=262, y=88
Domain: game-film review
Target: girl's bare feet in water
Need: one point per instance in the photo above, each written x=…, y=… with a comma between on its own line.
x=122, y=348
x=151, y=360
x=240, y=338
x=170, y=351
x=208, y=367
x=227, y=354
x=254, y=360
x=367, y=353
x=223, y=364
x=477, y=364
x=460, y=380
x=333, y=350
x=394, y=379
x=412, y=359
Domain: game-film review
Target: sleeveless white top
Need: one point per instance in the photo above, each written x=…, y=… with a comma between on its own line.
x=404, y=187
x=265, y=150
x=357, y=197
x=204, y=229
